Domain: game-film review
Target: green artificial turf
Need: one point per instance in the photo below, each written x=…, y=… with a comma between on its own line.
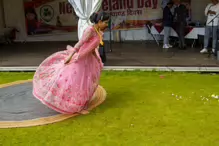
x=141, y=109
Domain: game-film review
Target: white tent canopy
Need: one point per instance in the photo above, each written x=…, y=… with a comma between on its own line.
x=84, y=9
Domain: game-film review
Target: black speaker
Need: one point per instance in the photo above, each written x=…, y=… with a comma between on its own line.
x=102, y=53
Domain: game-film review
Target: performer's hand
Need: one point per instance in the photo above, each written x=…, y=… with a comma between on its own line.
x=70, y=57
x=67, y=61
x=211, y=12
x=98, y=59
x=100, y=62
x=102, y=65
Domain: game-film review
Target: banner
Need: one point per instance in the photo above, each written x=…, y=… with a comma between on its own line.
x=128, y=14
x=52, y=16
x=49, y=16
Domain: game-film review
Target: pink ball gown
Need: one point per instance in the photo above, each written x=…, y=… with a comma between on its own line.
x=68, y=88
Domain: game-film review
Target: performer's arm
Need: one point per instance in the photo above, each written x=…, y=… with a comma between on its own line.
x=89, y=49
x=87, y=35
x=95, y=54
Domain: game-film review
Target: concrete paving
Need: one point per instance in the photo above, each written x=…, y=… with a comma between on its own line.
x=124, y=54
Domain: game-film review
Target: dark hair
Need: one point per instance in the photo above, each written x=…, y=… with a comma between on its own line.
x=31, y=10
x=101, y=16
x=170, y=3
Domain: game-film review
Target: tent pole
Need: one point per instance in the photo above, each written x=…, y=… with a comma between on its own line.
x=110, y=27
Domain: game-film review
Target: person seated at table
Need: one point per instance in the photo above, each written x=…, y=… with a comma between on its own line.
x=167, y=23
x=180, y=15
x=211, y=11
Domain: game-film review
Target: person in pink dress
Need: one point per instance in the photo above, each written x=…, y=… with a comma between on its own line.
x=67, y=80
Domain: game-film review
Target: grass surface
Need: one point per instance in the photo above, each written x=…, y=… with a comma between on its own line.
x=142, y=108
